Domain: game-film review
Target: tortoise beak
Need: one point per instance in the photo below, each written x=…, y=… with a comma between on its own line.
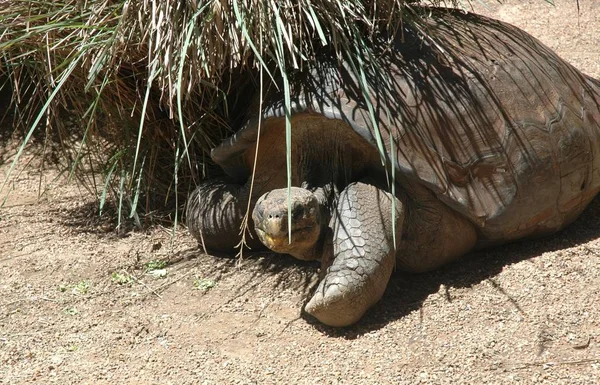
x=272, y=223
x=272, y=228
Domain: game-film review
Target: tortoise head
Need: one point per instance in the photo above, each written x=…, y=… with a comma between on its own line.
x=270, y=218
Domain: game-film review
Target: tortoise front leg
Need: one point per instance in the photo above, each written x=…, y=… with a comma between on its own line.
x=364, y=255
x=214, y=214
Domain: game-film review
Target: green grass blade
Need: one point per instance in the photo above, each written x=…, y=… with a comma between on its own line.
x=136, y=192
x=107, y=180
x=121, y=194
x=280, y=55
x=316, y=24
x=242, y=24
x=153, y=74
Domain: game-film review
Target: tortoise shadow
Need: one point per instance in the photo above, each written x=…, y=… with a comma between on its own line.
x=406, y=293
x=84, y=219
x=288, y=272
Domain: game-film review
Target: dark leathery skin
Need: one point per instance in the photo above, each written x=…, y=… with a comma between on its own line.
x=364, y=252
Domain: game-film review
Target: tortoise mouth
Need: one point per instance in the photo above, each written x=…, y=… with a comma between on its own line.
x=281, y=239
x=303, y=240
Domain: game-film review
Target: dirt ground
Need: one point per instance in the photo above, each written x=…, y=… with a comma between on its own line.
x=77, y=304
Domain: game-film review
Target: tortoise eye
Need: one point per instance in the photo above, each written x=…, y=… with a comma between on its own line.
x=298, y=212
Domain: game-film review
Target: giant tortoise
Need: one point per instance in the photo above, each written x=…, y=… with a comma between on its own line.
x=478, y=137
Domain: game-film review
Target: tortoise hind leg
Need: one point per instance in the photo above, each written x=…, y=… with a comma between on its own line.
x=363, y=252
x=214, y=214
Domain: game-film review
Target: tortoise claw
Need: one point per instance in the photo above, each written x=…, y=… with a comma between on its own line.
x=334, y=303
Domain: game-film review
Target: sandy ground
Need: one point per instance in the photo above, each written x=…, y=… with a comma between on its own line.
x=77, y=304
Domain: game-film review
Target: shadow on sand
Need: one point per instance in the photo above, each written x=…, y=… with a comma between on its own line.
x=406, y=293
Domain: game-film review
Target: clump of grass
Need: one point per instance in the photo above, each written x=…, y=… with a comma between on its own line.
x=72, y=347
x=155, y=264
x=121, y=278
x=70, y=311
x=151, y=86
x=204, y=284
x=82, y=287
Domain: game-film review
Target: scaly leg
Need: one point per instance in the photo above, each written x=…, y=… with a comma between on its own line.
x=214, y=214
x=364, y=255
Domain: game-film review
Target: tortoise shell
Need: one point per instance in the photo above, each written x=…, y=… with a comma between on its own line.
x=490, y=120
